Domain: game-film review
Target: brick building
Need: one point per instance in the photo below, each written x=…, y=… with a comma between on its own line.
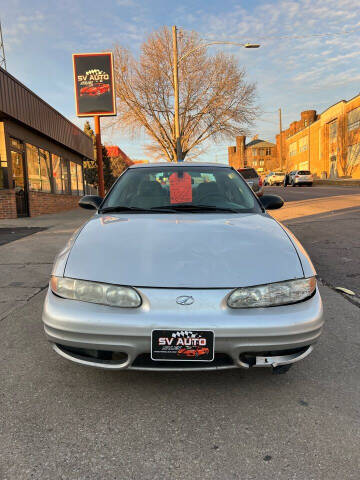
x=41, y=154
x=259, y=154
x=328, y=144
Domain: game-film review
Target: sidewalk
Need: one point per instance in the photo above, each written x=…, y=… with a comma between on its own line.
x=25, y=264
x=314, y=206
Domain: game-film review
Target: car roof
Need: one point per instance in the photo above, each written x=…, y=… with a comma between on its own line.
x=180, y=164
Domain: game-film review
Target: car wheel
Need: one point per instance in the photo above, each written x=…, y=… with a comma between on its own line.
x=281, y=369
x=310, y=184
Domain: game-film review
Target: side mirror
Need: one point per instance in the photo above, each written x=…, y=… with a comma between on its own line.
x=90, y=202
x=271, y=202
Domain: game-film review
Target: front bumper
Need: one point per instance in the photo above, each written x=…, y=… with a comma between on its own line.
x=73, y=325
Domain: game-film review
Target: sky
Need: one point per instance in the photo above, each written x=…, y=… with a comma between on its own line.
x=298, y=66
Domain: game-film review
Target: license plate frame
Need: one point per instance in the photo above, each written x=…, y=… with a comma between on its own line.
x=183, y=345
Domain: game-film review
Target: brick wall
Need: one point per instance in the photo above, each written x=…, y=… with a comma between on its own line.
x=7, y=204
x=41, y=203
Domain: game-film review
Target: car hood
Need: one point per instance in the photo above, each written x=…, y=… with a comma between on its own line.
x=185, y=250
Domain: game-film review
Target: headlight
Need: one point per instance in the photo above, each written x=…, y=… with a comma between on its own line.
x=94, y=292
x=272, y=294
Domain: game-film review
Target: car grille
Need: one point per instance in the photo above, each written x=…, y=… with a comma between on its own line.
x=221, y=360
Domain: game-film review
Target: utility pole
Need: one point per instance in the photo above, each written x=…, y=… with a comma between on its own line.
x=179, y=154
x=2, y=50
x=99, y=157
x=281, y=149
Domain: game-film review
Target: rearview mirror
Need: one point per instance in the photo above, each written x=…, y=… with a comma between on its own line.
x=90, y=202
x=271, y=202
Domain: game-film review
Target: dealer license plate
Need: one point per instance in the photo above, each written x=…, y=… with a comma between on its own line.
x=183, y=345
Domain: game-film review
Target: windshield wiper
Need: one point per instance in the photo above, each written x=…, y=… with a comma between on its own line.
x=123, y=208
x=200, y=208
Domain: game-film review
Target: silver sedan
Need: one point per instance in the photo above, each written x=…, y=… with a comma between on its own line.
x=182, y=268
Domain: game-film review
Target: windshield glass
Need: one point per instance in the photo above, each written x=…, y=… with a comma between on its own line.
x=185, y=188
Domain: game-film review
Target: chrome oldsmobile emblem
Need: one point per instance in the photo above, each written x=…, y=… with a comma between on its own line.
x=185, y=300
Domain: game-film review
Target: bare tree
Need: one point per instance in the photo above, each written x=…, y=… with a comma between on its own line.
x=215, y=100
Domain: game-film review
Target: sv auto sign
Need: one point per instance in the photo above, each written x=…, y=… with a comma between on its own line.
x=94, y=84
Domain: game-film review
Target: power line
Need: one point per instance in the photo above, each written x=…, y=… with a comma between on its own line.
x=2, y=50
x=310, y=35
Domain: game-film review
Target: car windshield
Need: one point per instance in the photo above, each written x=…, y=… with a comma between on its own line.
x=170, y=189
x=279, y=173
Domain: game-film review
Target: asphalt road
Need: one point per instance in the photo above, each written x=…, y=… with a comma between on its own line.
x=62, y=421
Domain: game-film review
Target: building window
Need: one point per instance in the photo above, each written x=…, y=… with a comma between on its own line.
x=261, y=163
x=268, y=151
x=38, y=169
x=303, y=144
x=354, y=119
x=254, y=163
x=254, y=152
x=73, y=178
x=65, y=175
x=3, y=173
x=333, y=126
x=76, y=176
x=353, y=158
x=60, y=174
x=33, y=167
x=293, y=149
x=80, y=179
x=45, y=171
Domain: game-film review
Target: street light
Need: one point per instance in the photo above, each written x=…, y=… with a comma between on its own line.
x=176, y=62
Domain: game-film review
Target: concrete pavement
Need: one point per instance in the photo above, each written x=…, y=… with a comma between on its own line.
x=25, y=264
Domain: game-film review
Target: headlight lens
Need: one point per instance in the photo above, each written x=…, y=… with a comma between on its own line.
x=272, y=294
x=93, y=292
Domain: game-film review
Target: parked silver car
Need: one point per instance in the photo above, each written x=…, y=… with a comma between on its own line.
x=182, y=268
x=252, y=179
x=301, y=177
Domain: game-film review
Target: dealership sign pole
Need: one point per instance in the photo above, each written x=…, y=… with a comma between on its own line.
x=95, y=95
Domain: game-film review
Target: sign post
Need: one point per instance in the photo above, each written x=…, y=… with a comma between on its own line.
x=99, y=156
x=95, y=95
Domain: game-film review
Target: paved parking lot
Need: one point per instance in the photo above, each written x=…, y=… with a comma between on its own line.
x=62, y=421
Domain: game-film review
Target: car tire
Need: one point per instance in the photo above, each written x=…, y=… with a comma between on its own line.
x=281, y=369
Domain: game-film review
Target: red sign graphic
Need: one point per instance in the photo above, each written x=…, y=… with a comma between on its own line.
x=180, y=188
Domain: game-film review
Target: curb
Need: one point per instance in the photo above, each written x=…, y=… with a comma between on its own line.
x=339, y=183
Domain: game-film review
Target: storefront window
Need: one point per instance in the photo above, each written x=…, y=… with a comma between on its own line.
x=80, y=179
x=33, y=167
x=57, y=178
x=38, y=169
x=45, y=170
x=3, y=173
x=60, y=174
x=65, y=175
x=73, y=176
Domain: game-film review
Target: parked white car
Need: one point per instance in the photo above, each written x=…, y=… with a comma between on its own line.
x=274, y=178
